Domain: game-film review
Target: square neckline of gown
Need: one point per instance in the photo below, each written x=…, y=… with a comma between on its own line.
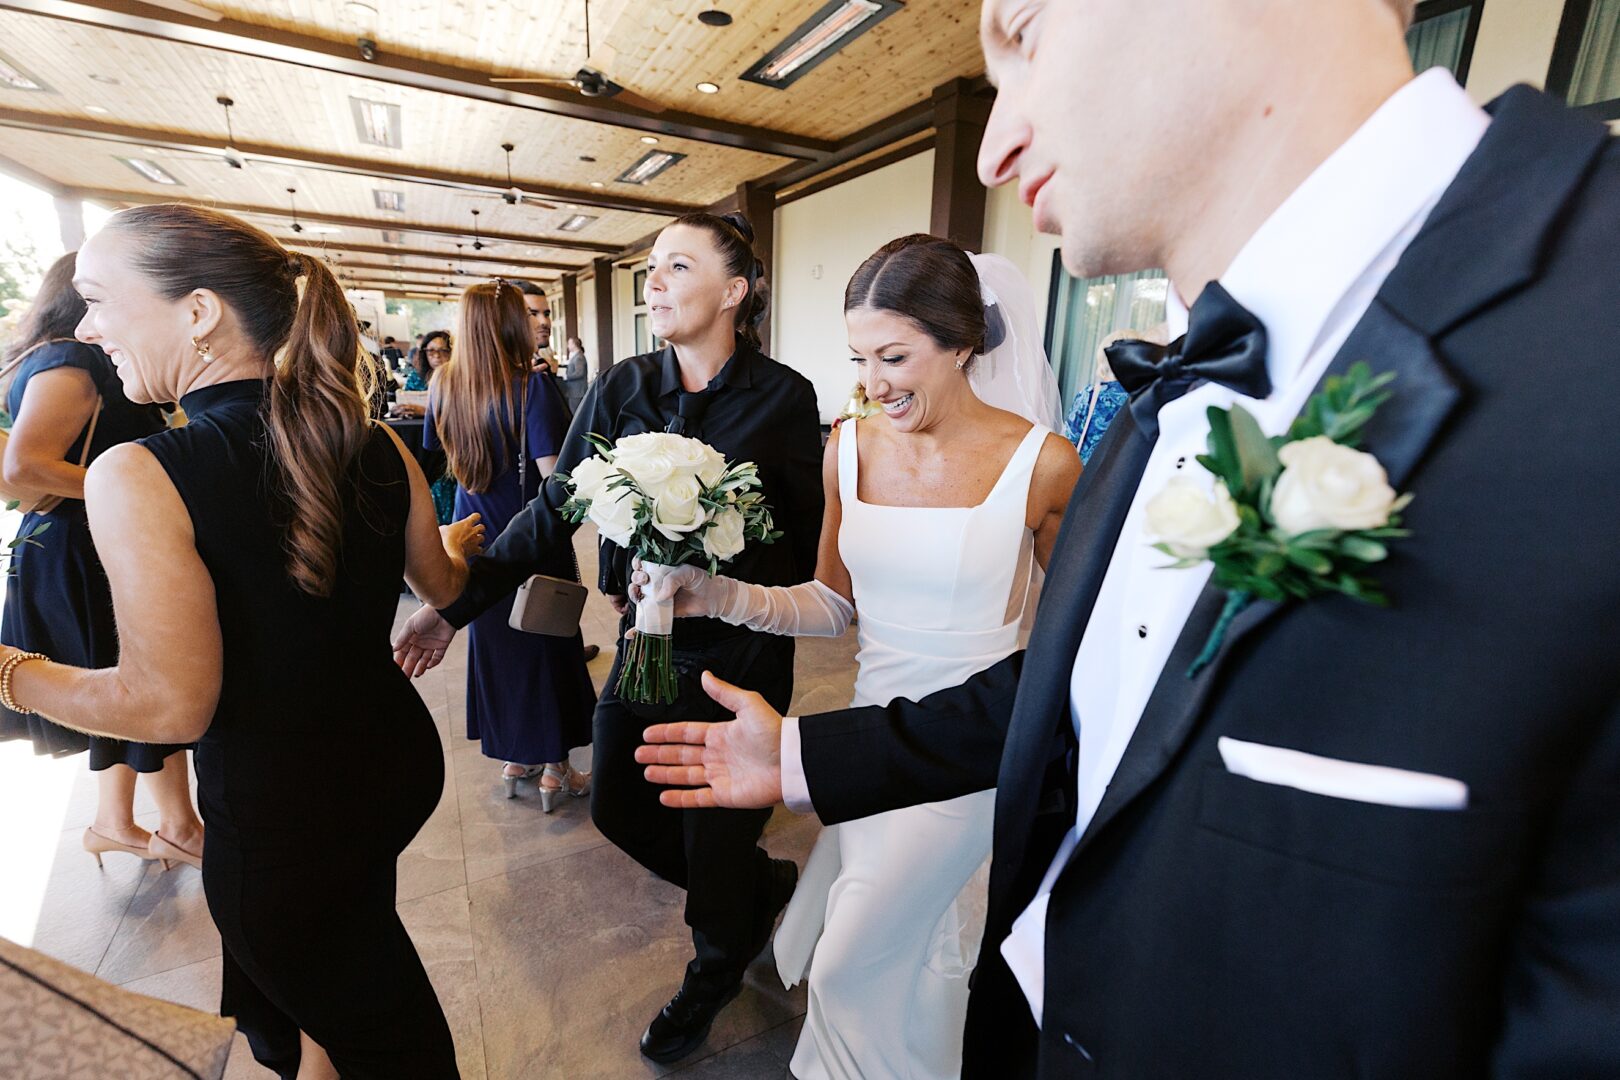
x=1001, y=478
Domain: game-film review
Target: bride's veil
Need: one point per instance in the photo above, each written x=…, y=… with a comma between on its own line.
x=1013, y=373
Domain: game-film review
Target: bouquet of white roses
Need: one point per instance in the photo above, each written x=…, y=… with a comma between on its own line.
x=670, y=500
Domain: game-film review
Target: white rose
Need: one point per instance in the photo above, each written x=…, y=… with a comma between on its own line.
x=1328, y=486
x=1188, y=521
x=724, y=537
x=590, y=477
x=713, y=467
x=687, y=455
x=648, y=465
x=676, y=510
x=614, y=515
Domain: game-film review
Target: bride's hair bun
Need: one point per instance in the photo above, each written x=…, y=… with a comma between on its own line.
x=995, y=327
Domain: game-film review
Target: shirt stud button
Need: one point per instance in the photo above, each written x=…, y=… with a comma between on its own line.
x=1141, y=631
x=1180, y=462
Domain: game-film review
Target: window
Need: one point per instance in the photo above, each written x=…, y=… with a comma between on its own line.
x=1586, y=57
x=1442, y=35
x=1083, y=313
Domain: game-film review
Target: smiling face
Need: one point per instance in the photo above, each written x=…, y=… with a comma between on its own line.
x=540, y=319
x=688, y=288
x=148, y=338
x=914, y=378
x=1105, y=156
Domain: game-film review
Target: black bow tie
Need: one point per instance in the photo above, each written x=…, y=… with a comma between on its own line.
x=1224, y=343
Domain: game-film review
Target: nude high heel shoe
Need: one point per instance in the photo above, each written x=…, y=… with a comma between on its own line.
x=98, y=845
x=166, y=852
x=569, y=780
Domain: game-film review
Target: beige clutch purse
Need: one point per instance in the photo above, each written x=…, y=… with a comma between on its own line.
x=548, y=605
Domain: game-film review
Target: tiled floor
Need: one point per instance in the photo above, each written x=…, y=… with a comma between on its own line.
x=549, y=948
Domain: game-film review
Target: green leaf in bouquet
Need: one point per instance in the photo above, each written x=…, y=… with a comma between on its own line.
x=1310, y=560
x=1362, y=548
x=1257, y=458
x=603, y=447
x=1222, y=459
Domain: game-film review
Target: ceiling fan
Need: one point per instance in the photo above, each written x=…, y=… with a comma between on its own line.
x=588, y=80
x=514, y=195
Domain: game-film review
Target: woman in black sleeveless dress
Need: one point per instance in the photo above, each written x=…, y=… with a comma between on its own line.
x=254, y=557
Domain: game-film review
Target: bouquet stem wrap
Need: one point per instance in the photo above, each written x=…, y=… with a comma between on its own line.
x=648, y=672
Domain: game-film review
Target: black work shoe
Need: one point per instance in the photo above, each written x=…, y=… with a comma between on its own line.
x=592, y=652
x=681, y=1026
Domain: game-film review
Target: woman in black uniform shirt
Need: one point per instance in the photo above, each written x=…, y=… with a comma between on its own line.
x=254, y=557
x=705, y=298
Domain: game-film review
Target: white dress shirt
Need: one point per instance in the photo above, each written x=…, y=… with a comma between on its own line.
x=1309, y=274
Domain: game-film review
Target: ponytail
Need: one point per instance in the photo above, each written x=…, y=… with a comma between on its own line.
x=318, y=422
x=317, y=414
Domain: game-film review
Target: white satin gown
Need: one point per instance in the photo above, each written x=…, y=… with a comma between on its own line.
x=890, y=908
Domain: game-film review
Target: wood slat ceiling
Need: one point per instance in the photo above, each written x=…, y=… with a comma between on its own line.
x=661, y=51
x=170, y=86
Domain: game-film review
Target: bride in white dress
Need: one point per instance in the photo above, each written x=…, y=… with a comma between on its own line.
x=938, y=509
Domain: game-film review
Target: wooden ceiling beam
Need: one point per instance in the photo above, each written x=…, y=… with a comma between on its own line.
x=343, y=58
x=141, y=197
x=421, y=253
x=158, y=139
x=480, y=276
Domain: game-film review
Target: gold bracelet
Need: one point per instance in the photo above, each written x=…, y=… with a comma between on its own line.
x=7, y=667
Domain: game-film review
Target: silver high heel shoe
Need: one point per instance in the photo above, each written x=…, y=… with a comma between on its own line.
x=569, y=780
x=510, y=778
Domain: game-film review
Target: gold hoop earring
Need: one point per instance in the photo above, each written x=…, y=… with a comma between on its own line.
x=203, y=350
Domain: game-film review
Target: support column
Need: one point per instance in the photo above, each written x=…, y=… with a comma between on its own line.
x=570, y=306
x=960, y=117
x=70, y=221
x=602, y=293
x=759, y=203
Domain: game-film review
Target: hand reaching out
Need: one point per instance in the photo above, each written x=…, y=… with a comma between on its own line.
x=463, y=539
x=421, y=643
x=735, y=764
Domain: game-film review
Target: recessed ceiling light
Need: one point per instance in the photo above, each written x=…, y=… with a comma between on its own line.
x=99, y=110
x=324, y=230
x=837, y=24
x=150, y=170
x=13, y=77
x=392, y=236
x=586, y=157
x=708, y=87
x=389, y=200
x=714, y=17
x=376, y=122
x=576, y=223
x=652, y=163
x=650, y=140
x=597, y=183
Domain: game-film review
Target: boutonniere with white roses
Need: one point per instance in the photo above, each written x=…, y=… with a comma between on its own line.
x=1295, y=516
x=669, y=500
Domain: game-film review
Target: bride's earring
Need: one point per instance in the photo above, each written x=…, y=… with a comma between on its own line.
x=203, y=350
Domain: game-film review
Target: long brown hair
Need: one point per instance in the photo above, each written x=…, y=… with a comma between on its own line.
x=317, y=416
x=481, y=382
x=55, y=312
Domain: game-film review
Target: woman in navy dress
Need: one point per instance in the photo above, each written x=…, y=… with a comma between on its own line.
x=254, y=558
x=56, y=599
x=529, y=696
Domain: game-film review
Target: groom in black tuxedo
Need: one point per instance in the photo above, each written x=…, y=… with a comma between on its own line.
x=1364, y=841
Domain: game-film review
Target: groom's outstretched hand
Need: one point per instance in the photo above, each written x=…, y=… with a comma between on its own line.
x=737, y=764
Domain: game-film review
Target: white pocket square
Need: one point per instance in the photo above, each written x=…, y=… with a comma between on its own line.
x=1379, y=784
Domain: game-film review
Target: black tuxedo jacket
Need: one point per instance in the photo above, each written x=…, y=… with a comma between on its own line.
x=1210, y=925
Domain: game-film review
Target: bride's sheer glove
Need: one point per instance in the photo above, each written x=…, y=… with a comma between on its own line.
x=808, y=610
